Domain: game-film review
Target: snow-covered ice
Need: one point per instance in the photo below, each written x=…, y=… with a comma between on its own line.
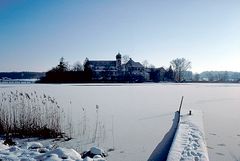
x=160, y=153
x=189, y=142
x=134, y=118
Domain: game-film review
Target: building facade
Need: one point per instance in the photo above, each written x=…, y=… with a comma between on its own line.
x=115, y=70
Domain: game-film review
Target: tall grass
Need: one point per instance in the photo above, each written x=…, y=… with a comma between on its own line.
x=30, y=115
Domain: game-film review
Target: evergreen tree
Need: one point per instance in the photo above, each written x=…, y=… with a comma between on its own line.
x=170, y=74
x=62, y=66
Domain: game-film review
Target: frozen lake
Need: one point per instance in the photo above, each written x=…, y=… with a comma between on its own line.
x=133, y=118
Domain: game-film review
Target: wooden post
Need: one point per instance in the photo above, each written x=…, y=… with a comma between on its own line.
x=180, y=105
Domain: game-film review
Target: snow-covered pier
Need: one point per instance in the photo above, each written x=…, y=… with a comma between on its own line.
x=189, y=141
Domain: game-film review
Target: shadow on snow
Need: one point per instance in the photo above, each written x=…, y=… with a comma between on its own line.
x=160, y=153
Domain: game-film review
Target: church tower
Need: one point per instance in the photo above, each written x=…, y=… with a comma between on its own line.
x=118, y=61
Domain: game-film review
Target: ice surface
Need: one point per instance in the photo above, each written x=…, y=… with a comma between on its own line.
x=160, y=153
x=135, y=117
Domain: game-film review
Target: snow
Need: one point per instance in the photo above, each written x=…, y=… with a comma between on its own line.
x=189, y=141
x=63, y=153
x=2, y=146
x=134, y=118
x=96, y=151
x=34, y=145
x=160, y=153
x=33, y=151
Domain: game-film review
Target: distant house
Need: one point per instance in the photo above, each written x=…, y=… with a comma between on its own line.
x=115, y=70
x=157, y=74
x=133, y=67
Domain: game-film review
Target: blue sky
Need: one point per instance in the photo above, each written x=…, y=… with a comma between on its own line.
x=35, y=34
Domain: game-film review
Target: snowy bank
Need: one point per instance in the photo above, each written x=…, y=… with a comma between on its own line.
x=189, y=142
x=36, y=151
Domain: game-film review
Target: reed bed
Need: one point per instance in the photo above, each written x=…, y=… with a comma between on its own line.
x=25, y=114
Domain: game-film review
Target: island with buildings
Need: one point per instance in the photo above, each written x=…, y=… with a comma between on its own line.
x=126, y=70
x=107, y=71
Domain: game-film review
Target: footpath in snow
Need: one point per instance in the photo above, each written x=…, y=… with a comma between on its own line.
x=189, y=142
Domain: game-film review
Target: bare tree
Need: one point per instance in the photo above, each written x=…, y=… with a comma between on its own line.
x=196, y=77
x=180, y=65
x=151, y=66
x=125, y=59
x=77, y=66
x=145, y=63
x=210, y=76
x=225, y=76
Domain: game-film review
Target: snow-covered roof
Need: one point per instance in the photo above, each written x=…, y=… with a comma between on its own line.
x=105, y=63
x=132, y=63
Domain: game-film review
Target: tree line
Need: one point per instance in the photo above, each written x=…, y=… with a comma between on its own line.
x=63, y=73
x=217, y=76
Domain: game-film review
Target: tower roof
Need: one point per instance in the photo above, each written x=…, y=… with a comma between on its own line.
x=118, y=56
